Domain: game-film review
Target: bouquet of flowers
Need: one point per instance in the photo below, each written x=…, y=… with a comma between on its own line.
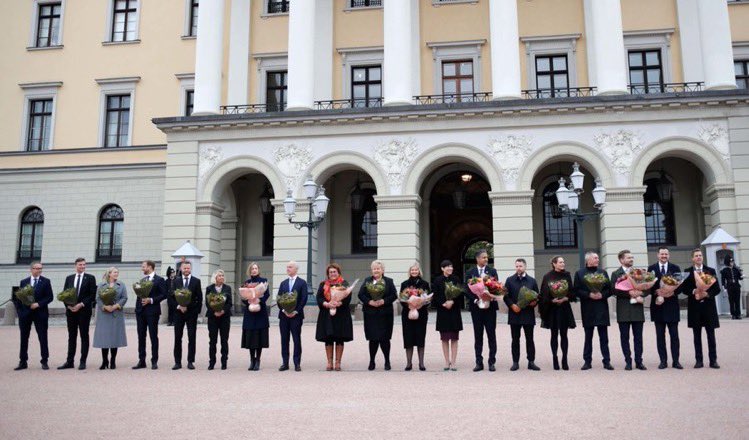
x=338, y=293
x=625, y=283
x=26, y=295
x=143, y=288
x=484, y=288
x=526, y=296
x=183, y=297
x=107, y=295
x=559, y=289
x=376, y=291
x=641, y=279
x=415, y=298
x=452, y=291
x=595, y=281
x=669, y=283
x=287, y=301
x=703, y=281
x=252, y=292
x=69, y=297
x=216, y=301
x=496, y=288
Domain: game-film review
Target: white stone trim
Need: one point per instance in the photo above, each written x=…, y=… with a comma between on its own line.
x=740, y=50
x=456, y=50
x=186, y=83
x=551, y=45
x=438, y=3
x=650, y=39
x=32, y=91
x=115, y=86
x=35, y=24
x=359, y=56
x=109, y=22
x=269, y=62
x=186, y=26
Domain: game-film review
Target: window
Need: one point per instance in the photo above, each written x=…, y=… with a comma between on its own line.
x=124, y=20
x=366, y=86
x=117, y=121
x=660, y=227
x=645, y=71
x=193, y=29
x=741, y=67
x=40, y=123
x=364, y=225
x=560, y=231
x=111, y=224
x=275, y=91
x=278, y=6
x=457, y=78
x=365, y=3
x=552, y=76
x=30, y=242
x=189, y=102
x=48, y=25
x=268, y=228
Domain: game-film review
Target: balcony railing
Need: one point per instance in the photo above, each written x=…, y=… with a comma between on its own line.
x=567, y=92
x=452, y=98
x=336, y=104
x=278, y=6
x=646, y=89
x=248, y=108
x=365, y=3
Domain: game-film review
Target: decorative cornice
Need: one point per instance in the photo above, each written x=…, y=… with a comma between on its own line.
x=397, y=202
x=40, y=85
x=182, y=76
x=440, y=44
x=498, y=198
x=621, y=194
x=718, y=190
x=209, y=208
x=119, y=80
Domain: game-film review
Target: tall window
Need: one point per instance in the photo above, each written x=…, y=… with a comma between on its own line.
x=30, y=242
x=124, y=20
x=366, y=86
x=457, y=78
x=365, y=3
x=275, y=91
x=189, y=102
x=193, y=18
x=660, y=227
x=364, y=225
x=645, y=71
x=117, y=121
x=40, y=122
x=48, y=25
x=741, y=67
x=559, y=231
x=552, y=76
x=278, y=6
x=111, y=224
x=268, y=228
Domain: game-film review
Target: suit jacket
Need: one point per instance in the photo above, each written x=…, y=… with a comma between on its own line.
x=472, y=299
x=527, y=316
x=626, y=312
x=730, y=277
x=594, y=312
x=226, y=291
x=300, y=285
x=702, y=313
x=158, y=294
x=196, y=301
x=42, y=294
x=669, y=310
x=86, y=293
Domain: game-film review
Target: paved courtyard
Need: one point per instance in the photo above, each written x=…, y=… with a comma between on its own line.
x=355, y=403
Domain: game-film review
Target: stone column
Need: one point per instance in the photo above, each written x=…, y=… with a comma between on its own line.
x=717, y=49
x=398, y=233
x=209, y=51
x=603, y=25
x=721, y=199
x=179, y=197
x=512, y=223
x=301, y=55
x=623, y=226
x=505, y=53
x=239, y=50
x=400, y=69
x=738, y=138
x=208, y=235
x=290, y=243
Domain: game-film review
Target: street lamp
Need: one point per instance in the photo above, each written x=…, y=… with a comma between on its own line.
x=568, y=198
x=318, y=206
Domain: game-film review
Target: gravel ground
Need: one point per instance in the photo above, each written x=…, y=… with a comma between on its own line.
x=665, y=404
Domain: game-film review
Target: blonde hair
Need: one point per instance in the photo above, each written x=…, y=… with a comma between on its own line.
x=377, y=263
x=416, y=265
x=217, y=273
x=249, y=268
x=109, y=272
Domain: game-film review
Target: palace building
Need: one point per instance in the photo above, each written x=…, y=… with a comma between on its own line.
x=435, y=128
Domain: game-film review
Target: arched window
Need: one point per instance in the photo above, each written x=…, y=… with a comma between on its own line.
x=560, y=231
x=363, y=221
x=30, y=242
x=111, y=224
x=660, y=227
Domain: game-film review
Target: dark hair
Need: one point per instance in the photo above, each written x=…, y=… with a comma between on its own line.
x=334, y=266
x=727, y=260
x=169, y=271
x=480, y=252
x=662, y=248
x=187, y=262
x=622, y=253
x=445, y=263
x=521, y=260
x=554, y=260
x=695, y=250
x=79, y=259
x=150, y=264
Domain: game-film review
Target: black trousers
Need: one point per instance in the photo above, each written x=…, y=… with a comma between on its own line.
x=78, y=322
x=484, y=320
x=180, y=320
x=171, y=306
x=530, y=347
x=712, y=352
x=148, y=323
x=218, y=326
x=40, y=325
x=603, y=337
x=624, y=328
x=734, y=299
x=660, y=338
x=291, y=327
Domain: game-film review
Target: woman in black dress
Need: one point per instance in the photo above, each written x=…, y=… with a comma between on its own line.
x=219, y=323
x=449, y=320
x=378, y=315
x=556, y=313
x=414, y=331
x=255, y=323
x=338, y=329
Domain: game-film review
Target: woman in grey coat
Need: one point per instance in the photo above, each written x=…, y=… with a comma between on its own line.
x=109, y=333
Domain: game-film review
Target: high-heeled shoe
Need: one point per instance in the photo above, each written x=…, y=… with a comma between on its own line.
x=371, y=365
x=555, y=362
x=422, y=367
x=409, y=367
x=565, y=365
x=112, y=365
x=104, y=365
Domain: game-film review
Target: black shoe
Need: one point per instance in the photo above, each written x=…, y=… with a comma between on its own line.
x=387, y=366
x=170, y=324
x=555, y=362
x=82, y=365
x=533, y=367
x=662, y=366
x=565, y=365
x=190, y=366
x=514, y=366
x=677, y=365
x=714, y=364
x=154, y=366
x=608, y=366
x=478, y=367
x=492, y=367
x=223, y=365
x=586, y=366
x=297, y=368
x=21, y=366
x=45, y=366
x=641, y=366
x=409, y=368
x=283, y=367
x=177, y=366
x=422, y=367
x=105, y=365
x=739, y=317
x=112, y=365
x=698, y=364
x=65, y=366
x=139, y=365
x=211, y=365
x=257, y=365
x=628, y=366
x=371, y=365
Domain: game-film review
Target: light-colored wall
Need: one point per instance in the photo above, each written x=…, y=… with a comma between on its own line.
x=639, y=15
x=738, y=14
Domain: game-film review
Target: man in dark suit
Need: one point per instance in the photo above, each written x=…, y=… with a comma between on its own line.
x=630, y=312
x=594, y=307
x=147, y=312
x=79, y=315
x=37, y=314
x=730, y=277
x=483, y=319
x=521, y=319
x=290, y=324
x=701, y=311
x=187, y=315
x=666, y=314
